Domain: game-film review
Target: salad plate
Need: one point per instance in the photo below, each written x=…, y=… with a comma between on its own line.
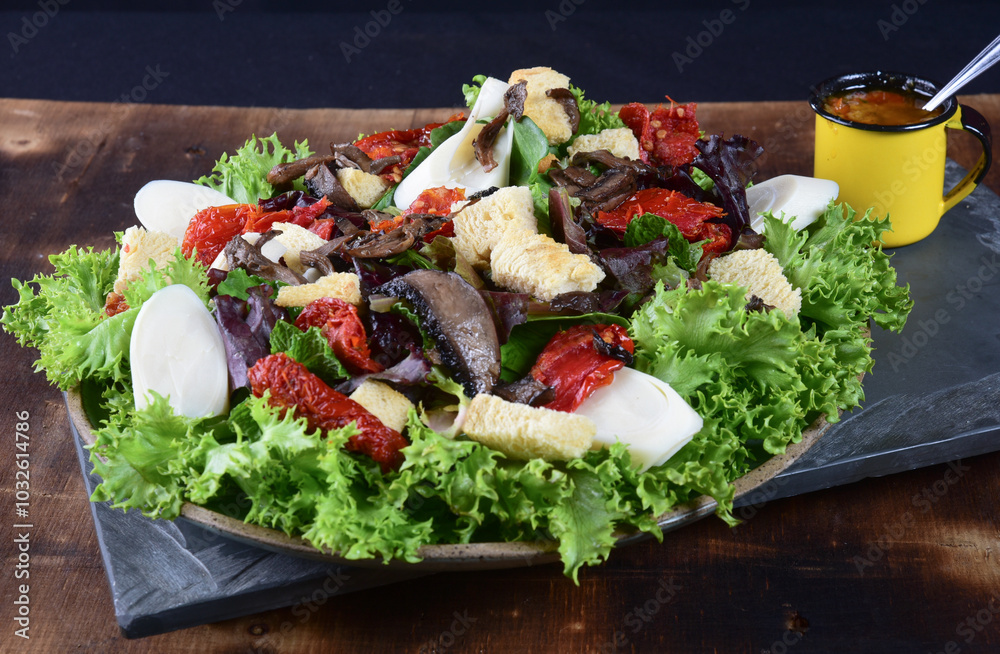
x=469, y=556
x=345, y=356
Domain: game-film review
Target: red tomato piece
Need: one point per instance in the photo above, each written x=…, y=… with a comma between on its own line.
x=212, y=228
x=114, y=304
x=690, y=216
x=404, y=142
x=340, y=325
x=294, y=388
x=323, y=228
x=667, y=136
x=301, y=216
x=437, y=201
x=635, y=115
x=572, y=365
x=447, y=229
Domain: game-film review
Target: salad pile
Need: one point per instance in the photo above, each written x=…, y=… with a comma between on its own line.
x=508, y=264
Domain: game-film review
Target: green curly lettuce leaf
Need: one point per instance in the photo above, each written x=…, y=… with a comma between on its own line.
x=844, y=276
x=62, y=314
x=310, y=348
x=594, y=117
x=243, y=176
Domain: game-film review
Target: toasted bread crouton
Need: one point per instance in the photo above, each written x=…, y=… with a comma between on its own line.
x=620, y=142
x=481, y=225
x=296, y=239
x=546, y=112
x=344, y=286
x=762, y=276
x=535, y=263
x=525, y=432
x=384, y=402
x=365, y=188
x=138, y=247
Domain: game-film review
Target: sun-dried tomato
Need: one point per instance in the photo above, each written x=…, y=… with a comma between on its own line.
x=403, y=142
x=436, y=201
x=339, y=323
x=690, y=216
x=667, y=136
x=293, y=387
x=301, y=216
x=574, y=365
x=323, y=228
x=212, y=228
x=114, y=304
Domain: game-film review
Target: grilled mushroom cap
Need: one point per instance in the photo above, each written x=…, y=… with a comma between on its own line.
x=453, y=313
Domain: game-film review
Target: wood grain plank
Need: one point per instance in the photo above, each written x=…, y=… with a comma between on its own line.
x=789, y=577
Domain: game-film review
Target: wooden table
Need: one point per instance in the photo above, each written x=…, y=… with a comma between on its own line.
x=906, y=563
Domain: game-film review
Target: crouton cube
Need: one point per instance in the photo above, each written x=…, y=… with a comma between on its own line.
x=296, y=239
x=365, y=188
x=384, y=402
x=344, y=286
x=524, y=432
x=761, y=274
x=546, y=112
x=481, y=225
x=138, y=247
x=620, y=142
x=535, y=263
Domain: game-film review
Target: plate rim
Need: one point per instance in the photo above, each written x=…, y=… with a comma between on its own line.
x=465, y=556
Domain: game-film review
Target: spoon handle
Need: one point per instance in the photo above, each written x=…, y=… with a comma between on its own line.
x=983, y=60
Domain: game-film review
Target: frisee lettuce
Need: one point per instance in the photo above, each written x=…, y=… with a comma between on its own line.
x=243, y=176
x=62, y=314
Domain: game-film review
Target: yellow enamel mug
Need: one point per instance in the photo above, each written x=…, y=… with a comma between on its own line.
x=898, y=170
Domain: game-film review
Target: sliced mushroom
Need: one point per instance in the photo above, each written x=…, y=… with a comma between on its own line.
x=242, y=254
x=454, y=314
x=282, y=175
x=321, y=181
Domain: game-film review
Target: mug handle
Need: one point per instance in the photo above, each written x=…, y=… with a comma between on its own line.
x=973, y=122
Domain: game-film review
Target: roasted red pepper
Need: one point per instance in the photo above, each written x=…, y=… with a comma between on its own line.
x=690, y=216
x=667, y=136
x=293, y=387
x=575, y=366
x=339, y=323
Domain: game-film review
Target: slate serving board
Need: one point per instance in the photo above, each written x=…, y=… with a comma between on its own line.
x=932, y=398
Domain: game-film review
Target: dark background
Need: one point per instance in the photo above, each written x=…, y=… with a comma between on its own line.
x=261, y=53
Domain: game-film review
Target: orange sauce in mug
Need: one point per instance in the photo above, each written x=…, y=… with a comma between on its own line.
x=880, y=107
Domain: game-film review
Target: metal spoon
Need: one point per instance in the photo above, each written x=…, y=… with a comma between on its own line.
x=983, y=60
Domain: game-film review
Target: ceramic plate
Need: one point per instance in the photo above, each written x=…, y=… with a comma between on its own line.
x=472, y=556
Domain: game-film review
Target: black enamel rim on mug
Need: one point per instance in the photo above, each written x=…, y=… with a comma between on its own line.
x=883, y=81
